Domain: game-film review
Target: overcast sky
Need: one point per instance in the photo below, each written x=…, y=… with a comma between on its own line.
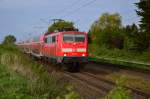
x=27, y=18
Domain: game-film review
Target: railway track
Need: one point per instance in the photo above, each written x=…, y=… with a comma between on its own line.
x=97, y=85
x=136, y=92
x=117, y=67
x=101, y=85
x=93, y=86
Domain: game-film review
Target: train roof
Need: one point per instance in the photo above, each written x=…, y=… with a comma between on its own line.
x=63, y=32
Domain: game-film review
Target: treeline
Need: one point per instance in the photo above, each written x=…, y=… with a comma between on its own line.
x=109, y=32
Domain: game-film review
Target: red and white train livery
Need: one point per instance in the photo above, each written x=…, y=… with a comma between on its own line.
x=59, y=47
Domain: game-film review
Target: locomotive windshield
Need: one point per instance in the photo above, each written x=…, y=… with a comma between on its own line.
x=73, y=38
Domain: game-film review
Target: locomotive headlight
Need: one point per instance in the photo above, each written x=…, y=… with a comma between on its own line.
x=65, y=54
x=81, y=50
x=67, y=50
x=83, y=54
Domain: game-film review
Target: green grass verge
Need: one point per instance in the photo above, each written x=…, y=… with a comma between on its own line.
x=12, y=85
x=120, y=57
x=128, y=64
x=22, y=78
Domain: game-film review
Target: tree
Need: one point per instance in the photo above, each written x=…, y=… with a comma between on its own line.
x=110, y=21
x=93, y=33
x=10, y=39
x=144, y=12
x=60, y=25
x=131, y=37
x=107, y=30
x=131, y=30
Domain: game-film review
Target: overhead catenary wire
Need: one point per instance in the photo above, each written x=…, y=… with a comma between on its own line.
x=50, y=20
x=79, y=8
x=61, y=11
x=71, y=11
x=70, y=6
x=67, y=14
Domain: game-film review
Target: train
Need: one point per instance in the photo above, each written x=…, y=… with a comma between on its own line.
x=61, y=47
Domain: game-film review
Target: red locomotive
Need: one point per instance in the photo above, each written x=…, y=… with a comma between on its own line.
x=60, y=47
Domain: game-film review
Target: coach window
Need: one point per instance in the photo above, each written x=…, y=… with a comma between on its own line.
x=53, y=39
x=45, y=40
x=36, y=39
x=49, y=39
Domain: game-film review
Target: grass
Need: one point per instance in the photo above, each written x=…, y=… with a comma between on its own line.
x=13, y=85
x=122, y=57
x=23, y=78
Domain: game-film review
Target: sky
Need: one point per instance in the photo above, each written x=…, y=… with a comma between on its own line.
x=28, y=18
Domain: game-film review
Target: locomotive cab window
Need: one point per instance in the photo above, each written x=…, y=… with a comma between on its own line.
x=79, y=38
x=68, y=38
x=73, y=38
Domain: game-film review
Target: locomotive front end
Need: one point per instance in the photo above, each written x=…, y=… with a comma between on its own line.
x=74, y=47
